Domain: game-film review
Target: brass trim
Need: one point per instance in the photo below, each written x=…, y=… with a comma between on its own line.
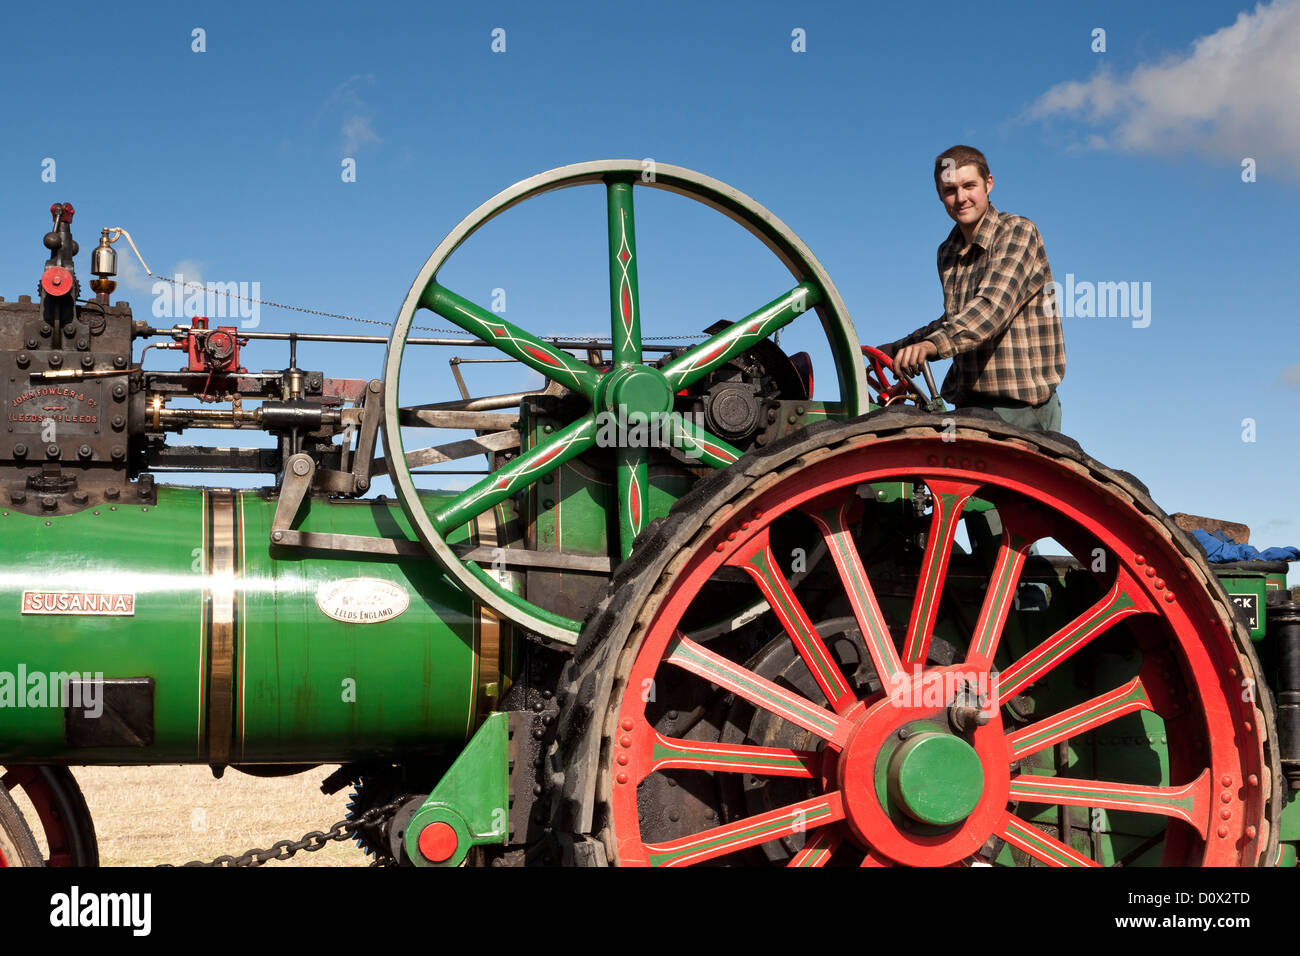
x=221, y=617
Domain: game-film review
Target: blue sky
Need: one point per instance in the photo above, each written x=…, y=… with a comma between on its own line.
x=225, y=165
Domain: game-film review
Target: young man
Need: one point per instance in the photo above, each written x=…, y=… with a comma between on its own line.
x=1000, y=324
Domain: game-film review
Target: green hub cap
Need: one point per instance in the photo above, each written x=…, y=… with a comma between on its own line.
x=638, y=389
x=936, y=778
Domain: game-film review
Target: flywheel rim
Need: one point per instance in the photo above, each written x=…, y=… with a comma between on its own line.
x=737, y=206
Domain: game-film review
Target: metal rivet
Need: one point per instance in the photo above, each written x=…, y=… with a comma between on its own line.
x=1223, y=832
x=622, y=778
x=1225, y=780
x=627, y=723
x=625, y=741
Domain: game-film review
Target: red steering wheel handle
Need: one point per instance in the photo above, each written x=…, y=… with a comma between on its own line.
x=889, y=392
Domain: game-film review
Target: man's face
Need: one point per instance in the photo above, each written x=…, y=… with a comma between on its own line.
x=965, y=194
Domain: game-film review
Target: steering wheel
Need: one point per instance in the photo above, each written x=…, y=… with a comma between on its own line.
x=880, y=371
x=630, y=385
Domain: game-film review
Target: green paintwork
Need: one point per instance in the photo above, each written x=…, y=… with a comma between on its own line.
x=517, y=475
x=541, y=356
x=936, y=778
x=473, y=797
x=414, y=675
x=624, y=296
x=698, y=361
x=1240, y=584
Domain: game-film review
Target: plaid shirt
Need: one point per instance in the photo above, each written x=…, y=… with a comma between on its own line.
x=1000, y=325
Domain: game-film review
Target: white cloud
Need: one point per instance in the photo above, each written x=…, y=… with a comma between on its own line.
x=132, y=277
x=356, y=125
x=1231, y=96
x=357, y=132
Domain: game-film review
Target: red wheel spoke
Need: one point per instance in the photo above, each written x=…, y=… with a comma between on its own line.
x=697, y=443
x=1189, y=803
x=1041, y=846
x=670, y=753
x=949, y=499
x=750, y=831
x=633, y=495
x=998, y=598
x=819, y=848
x=568, y=442
x=541, y=356
x=1123, y=599
x=800, y=711
x=698, y=361
x=762, y=566
x=833, y=523
x=1079, y=719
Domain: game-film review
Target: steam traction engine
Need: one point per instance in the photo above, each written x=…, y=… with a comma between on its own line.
x=789, y=631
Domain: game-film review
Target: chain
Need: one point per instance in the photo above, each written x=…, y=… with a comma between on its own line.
x=387, y=325
x=316, y=840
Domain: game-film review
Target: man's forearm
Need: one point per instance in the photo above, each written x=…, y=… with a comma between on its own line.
x=921, y=333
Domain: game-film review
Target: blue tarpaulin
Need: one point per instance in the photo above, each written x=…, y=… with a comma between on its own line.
x=1220, y=547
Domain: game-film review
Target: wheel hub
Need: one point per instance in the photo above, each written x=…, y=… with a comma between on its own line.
x=935, y=778
x=913, y=790
x=636, y=389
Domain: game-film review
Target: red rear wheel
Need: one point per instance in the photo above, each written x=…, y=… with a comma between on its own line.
x=884, y=716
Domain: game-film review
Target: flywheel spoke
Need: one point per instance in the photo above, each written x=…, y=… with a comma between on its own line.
x=633, y=495
x=833, y=523
x=1189, y=803
x=686, y=654
x=1079, y=719
x=541, y=356
x=697, y=443
x=950, y=498
x=1123, y=599
x=762, y=566
x=750, y=831
x=669, y=753
x=568, y=442
x=819, y=848
x=625, y=303
x=698, y=361
x=1042, y=847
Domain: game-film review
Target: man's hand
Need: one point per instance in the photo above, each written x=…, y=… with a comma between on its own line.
x=909, y=357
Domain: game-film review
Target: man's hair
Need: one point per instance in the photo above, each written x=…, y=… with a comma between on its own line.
x=955, y=157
